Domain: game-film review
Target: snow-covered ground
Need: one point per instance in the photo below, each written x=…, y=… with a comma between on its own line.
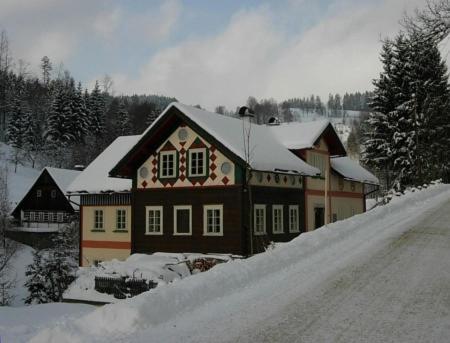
x=20, y=181
x=19, y=324
x=236, y=300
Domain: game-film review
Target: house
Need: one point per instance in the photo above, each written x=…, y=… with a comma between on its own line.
x=342, y=181
x=188, y=184
x=191, y=191
x=105, y=207
x=44, y=208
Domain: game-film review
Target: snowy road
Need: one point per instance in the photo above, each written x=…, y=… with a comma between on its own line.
x=400, y=293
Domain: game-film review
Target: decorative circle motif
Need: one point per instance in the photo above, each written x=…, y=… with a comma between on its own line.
x=182, y=134
x=143, y=172
x=260, y=177
x=225, y=168
x=277, y=178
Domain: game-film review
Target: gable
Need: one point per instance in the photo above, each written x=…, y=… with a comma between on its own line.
x=219, y=171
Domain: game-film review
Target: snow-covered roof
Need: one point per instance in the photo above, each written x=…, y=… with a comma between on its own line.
x=267, y=152
x=352, y=170
x=63, y=177
x=299, y=135
x=95, y=179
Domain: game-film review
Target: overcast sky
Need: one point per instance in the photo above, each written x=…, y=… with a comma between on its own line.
x=209, y=52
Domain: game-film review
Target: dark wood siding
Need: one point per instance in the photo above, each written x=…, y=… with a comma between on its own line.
x=44, y=203
x=270, y=196
x=230, y=242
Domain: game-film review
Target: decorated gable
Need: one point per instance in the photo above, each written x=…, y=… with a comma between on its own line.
x=184, y=160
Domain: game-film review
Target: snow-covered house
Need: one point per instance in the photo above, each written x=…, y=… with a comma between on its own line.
x=342, y=181
x=45, y=206
x=189, y=185
x=105, y=206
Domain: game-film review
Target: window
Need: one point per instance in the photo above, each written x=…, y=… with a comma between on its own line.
x=121, y=219
x=53, y=193
x=182, y=220
x=61, y=217
x=39, y=193
x=197, y=162
x=318, y=161
x=213, y=220
x=167, y=164
x=154, y=220
x=259, y=219
x=98, y=219
x=277, y=219
x=293, y=219
x=55, y=217
x=45, y=216
x=26, y=216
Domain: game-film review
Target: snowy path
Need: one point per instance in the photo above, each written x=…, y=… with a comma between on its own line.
x=401, y=293
x=378, y=277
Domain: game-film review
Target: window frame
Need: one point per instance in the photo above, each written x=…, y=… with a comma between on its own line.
x=257, y=207
x=163, y=154
x=175, y=224
x=197, y=151
x=53, y=193
x=161, y=219
x=95, y=226
x=281, y=209
x=124, y=218
x=39, y=193
x=213, y=207
x=297, y=209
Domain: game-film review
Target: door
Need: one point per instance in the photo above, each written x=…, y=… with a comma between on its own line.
x=319, y=217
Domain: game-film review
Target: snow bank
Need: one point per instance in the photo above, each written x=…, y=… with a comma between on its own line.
x=213, y=291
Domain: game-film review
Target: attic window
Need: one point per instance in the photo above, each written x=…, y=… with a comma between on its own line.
x=39, y=193
x=53, y=193
x=167, y=164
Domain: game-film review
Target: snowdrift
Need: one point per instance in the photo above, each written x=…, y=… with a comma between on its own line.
x=291, y=262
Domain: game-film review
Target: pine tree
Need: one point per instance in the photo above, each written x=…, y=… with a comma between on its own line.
x=36, y=281
x=97, y=111
x=123, y=124
x=78, y=123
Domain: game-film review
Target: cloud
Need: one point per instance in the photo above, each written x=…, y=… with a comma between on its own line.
x=107, y=22
x=251, y=56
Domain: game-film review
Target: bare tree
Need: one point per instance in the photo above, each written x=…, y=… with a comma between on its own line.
x=433, y=22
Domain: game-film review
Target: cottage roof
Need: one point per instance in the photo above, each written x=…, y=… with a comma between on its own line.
x=352, y=170
x=95, y=179
x=267, y=152
x=304, y=135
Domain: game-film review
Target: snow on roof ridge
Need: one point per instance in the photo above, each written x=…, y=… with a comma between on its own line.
x=95, y=178
x=63, y=177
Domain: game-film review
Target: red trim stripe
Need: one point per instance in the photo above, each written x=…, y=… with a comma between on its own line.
x=106, y=244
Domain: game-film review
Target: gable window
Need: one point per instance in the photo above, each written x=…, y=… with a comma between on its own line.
x=98, y=219
x=259, y=219
x=213, y=220
x=197, y=161
x=53, y=193
x=277, y=219
x=39, y=193
x=293, y=219
x=121, y=219
x=182, y=220
x=154, y=220
x=318, y=161
x=167, y=164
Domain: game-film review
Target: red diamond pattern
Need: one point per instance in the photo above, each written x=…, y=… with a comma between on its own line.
x=213, y=176
x=212, y=166
x=154, y=179
x=268, y=177
x=182, y=177
x=225, y=180
x=212, y=157
x=182, y=143
x=154, y=162
x=154, y=170
x=182, y=169
x=144, y=183
x=182, y=159
x=212, y=148
x=182, y=151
